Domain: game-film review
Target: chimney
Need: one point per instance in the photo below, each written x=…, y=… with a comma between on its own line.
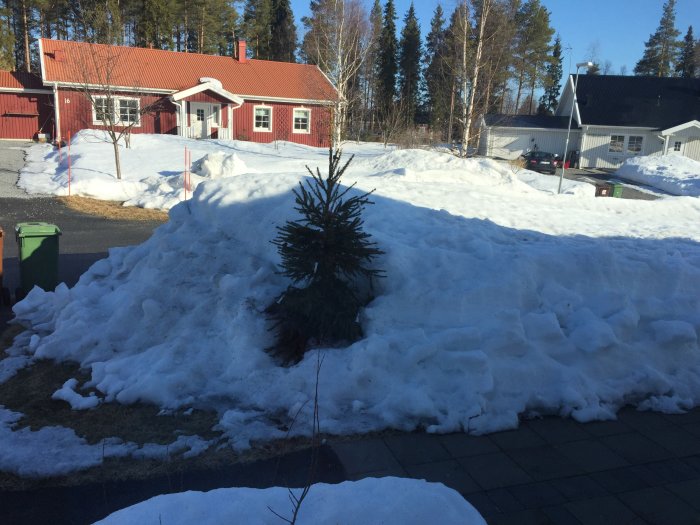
x=240, y=50
x=59, y=55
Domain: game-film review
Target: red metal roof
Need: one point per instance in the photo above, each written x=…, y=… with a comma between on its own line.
x=20, y=80
x=154, y=69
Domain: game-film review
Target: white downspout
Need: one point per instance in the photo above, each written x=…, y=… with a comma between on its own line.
x=56, y=114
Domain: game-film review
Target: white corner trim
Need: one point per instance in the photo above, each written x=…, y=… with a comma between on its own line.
x=680, y=127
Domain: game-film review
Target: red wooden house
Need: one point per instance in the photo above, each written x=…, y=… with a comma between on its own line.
x=186, y=94
x=25, y=106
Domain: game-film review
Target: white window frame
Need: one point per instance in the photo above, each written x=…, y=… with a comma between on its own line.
x=216, y=115
x=629, y=151
x=619, y=144
x=308, y=121
x=677, y=145
x=260, y=129
x=116, y=111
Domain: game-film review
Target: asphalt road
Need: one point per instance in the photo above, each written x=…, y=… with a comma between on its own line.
x=84, y=238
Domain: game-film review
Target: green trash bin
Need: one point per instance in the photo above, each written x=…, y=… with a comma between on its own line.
x=37, y=244
x=616, y=190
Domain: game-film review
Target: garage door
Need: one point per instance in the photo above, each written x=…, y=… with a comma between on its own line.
x=508, y=144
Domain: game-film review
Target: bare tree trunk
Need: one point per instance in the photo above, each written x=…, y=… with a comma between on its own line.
x=117, y=160
x=450, y=123
x=465, y=81
x=485, y=6
x=27, y=59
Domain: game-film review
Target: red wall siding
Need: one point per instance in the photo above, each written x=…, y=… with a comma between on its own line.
x=76, y=114
x=282, y=124
x=22, y=116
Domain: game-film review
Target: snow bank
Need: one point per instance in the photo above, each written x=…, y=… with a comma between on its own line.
x=385, y=500
x=475, y=323
x=674, y=174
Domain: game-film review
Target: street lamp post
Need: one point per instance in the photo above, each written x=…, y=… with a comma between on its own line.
x=571, y=116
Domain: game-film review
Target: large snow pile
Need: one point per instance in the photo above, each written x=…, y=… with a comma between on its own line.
x=674, y=174
x=499, y=300
x=385, y=500
x=153, y=168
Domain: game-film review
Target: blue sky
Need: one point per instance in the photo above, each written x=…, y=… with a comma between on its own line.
x=616, y=28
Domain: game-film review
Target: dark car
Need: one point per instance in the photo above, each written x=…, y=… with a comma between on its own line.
x=542, y=161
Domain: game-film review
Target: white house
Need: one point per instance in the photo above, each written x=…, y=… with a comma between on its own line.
x=614, y=118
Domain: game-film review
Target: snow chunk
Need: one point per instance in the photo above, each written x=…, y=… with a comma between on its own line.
x=371, y=500
x=68, y=394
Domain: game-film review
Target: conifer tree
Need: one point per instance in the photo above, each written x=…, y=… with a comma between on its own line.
x=283, y=45
x=257, y=24
x=436, y=72
x=373, y=67
x=661, y=50
x=552, y=79
x=388, y=66
x=685, y=67
x=409, y=65
x=327, y=251
x=7, y=38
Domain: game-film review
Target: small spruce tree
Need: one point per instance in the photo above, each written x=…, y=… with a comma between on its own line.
x=329, y=253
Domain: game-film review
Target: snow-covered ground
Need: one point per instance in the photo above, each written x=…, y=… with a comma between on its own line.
x=501, y=297
x=674, y=174
x=386, y=500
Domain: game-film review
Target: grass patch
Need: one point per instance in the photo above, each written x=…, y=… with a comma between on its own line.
x=113, y=210
x=29, y=392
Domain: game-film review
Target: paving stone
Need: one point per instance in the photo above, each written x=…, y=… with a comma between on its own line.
x=591, y=456
x=658, y=506
x=688, y=491
x=629, y=478
x=693, y=461
x=447, y=472
x=643, y=421
x=494, y=470
x=580, y=487
x=537, y=495
x=606, y=510
x=675, y=439
x=525, y=517
x=558, y=430
x=370, y=455
x=673, y=470
x=606, y=428
x=463, y=445
x=693, y=428
x=692, y=416
x=505, y=500
x=414, y=449
x=523, y=437
x=543, y=463
x=560, y=516
x=485, y=505
x=636, y=448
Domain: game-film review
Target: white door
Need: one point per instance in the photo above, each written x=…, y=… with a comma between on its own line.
x=199, y=120
x=676, y=147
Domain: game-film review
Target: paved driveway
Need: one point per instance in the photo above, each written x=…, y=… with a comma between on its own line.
x=85, y=238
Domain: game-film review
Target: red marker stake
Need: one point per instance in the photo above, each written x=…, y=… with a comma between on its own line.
x=69, y=164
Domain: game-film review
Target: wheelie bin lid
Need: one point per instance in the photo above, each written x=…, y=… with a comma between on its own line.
x=36, y=229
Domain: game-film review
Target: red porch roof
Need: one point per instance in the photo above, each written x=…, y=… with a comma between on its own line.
x=20, y=80
x=168, y=71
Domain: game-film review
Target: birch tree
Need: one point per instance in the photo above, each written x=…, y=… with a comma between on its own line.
x=336, y=41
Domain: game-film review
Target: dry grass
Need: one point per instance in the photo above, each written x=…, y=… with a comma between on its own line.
x=30, y=390
x=112, y=209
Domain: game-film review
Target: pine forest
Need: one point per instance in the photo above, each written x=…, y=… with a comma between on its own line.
x=395, y=80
